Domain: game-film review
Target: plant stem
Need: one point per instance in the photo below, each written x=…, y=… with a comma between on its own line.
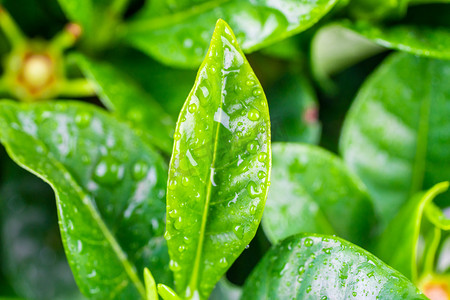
x=11, y=30
x=77, y=88
x=118, y=7
x=66, y=38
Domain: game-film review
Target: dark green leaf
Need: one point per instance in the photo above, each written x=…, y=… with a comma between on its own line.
x=397, y=246
x=180, y=39
x=313, y=191
x=322, y=267
x=130, y=102
x=109, y=188
x=218, y=176
x=418, y=40
x=396, y=134
x=294, y=110
x=377, y=9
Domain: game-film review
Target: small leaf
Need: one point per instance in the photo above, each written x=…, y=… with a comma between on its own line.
x=220, y=168
x=437, y=216
x=325, y=267
x=313, y=191
x=397, y=246
x=167, y=293
x=395, y=134
x=130, y=102
x=150, y=285
x=179, y=38
x=109, y=188
x=418, y=40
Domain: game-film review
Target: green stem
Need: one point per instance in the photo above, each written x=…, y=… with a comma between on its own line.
x=77, y=88
x=167, y=293
x=118, y=7
x=66, y=38
x=428, y=266
x=11, y=30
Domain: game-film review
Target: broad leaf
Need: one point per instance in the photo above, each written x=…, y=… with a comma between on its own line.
x=418, y=40
x=81, y=12
x=313, y=191
x=397, y=246
x=325, y=267
x=109, y=188
x=179, y=39
x=130, y=102
x=294, y=110
x=396, y=134
x=218, y=175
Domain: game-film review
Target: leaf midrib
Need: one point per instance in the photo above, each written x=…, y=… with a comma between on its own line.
x=94, y=214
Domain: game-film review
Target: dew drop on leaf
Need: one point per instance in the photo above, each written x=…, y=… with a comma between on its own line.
x=252, y=147
x=223, y=262
x=308, y=242
x=253, y=115
x=239, y=231
x=192, y=108
x=108, y=171
x=140, y=170
x=262, y=157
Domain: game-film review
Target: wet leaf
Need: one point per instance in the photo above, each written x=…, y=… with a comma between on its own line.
x=396, y=133
x=218, y=175
x=325, y=267
x=130, y=102
x=397, y=246
x=109, y=188
x=313, y=191
x=418, y=40
x=180, y=38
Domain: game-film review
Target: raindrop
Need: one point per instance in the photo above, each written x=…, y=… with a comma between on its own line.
x=239, y=231
x=140, y=169
x=108, y=171
x=261, y=174
x=262, y=157
x=223, y=262
x=83, y=119
x=252, y=147
x=176, y=136
x=308, y=242
x=253, y=209
x=192, y=108
x=252, y=190
x=253, y=114
x=250, y=82
x=181, y=248
x=167, y=235
x=172, y=184
x=173, y=265
x=257, y=92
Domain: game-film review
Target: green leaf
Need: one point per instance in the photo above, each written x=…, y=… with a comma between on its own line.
x=437, y=216
x=167, y=293
x=81, y=12
x=109, y=188
x=418, y=40
x=130, y=102
x=294, y=110
x=218, y=175
x=325, y=267
x=396, y=133
x=179, y=39
x=313, y=191
x=397, y=246
x=376, y=10
x=150, y=285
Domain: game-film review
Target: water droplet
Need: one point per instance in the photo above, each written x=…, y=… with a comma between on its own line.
x=327, y=250
x=176, y=136
x=239, y=231
x=257, y=92
x=223, y=262
x=83, y=119
x=262, y=128
x=250, y=82
x=173, y=213
x=178, y=223
x=253, y=190
x=261, y=174
x=354, y=294
x=253, y=114
x=324, y=298
x=192, y=108
x=185, y=181
x=253, y=209
x=167, y=235
x=308, y=289
x=172, y=184
x=140, y=170
x=262, y=157
x=370, y=274
x=252, y=147
x=181, y=248
x=308, y=242
x=173, y=265
x=108, y=171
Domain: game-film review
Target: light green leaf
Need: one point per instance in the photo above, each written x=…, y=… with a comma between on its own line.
x=325, y=267
x=218, y=175
x=167, y=293
x=81, y=12
x=397, y=246
x=437, y=217
x=396, y=134
x=130, y=102
x=180, y=39
x=150, y=285
x=418, y=40
x=313, y=191
x=109, y=188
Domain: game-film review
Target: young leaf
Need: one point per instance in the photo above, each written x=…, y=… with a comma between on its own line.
x=294, y=110
x=150, y=285
x=418, y=40
x=397, y=246
x=396, y=133
x=218, y=175
x=324, y=267
x=437, y=216
x=130, y=102
x=179, y=39
x=313, y=191
x=109, y=188
x=167, y=293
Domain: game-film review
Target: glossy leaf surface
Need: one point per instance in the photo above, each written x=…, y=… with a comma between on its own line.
x=397, y=246
x=179, y=39
x=130, y=102
x=294, y=110
x=313, y=191
x=218, y=175
x=396, y=134
x=325, y=267
x=109, y=188
x=418, y=40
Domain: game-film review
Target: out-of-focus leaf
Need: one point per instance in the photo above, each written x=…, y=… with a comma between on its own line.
x=220, y=168
x=225, y=290
x=418, y=40
x=396, y=134
x=397, y=246
x=376, y=10
x=109, y=187
x=325, y=267
x=294, y=110
x=440, y=218
x=130, y=102
x=313, y=191
x=180, y=38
